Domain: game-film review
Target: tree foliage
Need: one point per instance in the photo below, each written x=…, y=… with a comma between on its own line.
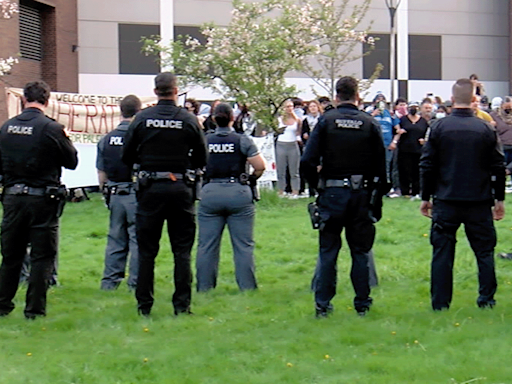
x=7, y=10
x=247, y=60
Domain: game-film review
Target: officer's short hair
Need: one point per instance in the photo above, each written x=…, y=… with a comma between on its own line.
x=223, y=114
x=165, y=83
x=130, y=106
x=463, y=91
x=346, y=88
x=37, y=91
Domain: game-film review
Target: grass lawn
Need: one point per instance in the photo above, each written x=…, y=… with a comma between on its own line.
x=271, y=335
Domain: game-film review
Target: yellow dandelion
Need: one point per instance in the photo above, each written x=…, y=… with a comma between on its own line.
x=457, y=324
x=29, y=354
x=326, y=357
x=393, y=333
x=289, y=365
x=145, y=360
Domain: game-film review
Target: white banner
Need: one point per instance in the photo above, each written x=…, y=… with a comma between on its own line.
x=267, y=149
x=87, y=118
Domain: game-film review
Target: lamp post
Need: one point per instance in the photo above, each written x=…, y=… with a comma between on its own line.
x=166, y=28
x=392, y=7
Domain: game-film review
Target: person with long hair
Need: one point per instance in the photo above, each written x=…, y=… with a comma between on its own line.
x=287, y=150
x=313, y=112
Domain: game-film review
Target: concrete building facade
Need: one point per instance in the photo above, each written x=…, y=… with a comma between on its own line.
x=435, y=44
x=44, y=38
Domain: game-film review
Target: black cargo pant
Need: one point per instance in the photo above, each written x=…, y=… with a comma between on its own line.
x=479, y=227
x=27, y=219
x=171, y=201
x=343, y=208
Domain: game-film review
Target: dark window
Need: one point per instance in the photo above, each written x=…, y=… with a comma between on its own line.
x=131, y=60
x=425, y=57
x=30, y=33
x=195, y=32
x=380, y=54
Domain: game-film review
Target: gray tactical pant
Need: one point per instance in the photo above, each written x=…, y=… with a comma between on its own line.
x=221, y=204
x=122, y=239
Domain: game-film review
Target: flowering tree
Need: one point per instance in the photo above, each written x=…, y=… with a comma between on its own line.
x=248, y=59
x=338, y=37
x=7, y=9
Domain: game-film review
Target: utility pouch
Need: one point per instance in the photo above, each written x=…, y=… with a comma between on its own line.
x=356, y=182
x=314, y=214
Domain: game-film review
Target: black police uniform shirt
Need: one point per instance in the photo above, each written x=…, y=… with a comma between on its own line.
x=33, y=150
x=110, y=149
x=228, y=153
x=346, y=141
x=460, y=159
x=165, y=138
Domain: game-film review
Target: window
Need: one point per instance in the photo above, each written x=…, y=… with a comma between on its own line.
x=30, y=33
x=375, y=56
x=131, y=60
x=425, y=61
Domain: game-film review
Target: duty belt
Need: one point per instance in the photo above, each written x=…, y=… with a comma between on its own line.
x=343, y=183
x=161, y=175
x=22, y=189
x=122, y=189
x=224, y=180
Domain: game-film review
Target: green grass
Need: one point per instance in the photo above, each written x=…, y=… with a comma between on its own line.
x=271, y=335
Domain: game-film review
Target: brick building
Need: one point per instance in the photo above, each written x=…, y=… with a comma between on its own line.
x=44, y=37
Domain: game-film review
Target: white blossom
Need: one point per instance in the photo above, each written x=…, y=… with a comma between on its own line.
x=7, y=9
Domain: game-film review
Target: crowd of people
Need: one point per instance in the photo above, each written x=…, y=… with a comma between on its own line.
x=405, y=126
x=351, y=148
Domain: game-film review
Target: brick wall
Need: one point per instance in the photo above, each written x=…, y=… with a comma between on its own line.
x=59, y=67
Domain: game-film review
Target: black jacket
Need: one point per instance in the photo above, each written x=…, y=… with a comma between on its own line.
x=461, y=157
x=346, y=141
x=165, y=138
x=33, y=150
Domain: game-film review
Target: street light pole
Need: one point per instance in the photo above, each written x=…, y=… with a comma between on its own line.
x=392, y=7
x=166, y=29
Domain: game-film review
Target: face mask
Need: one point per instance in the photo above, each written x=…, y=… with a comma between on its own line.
x=413, y=111
x=440, y=115
x=402, y=110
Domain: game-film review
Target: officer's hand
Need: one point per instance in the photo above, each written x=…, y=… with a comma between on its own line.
x=426, y=208
x=421, y=141
x=305, y=136
x=498, y=212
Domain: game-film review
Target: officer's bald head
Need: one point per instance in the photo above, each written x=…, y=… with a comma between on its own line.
x=463, y=92
x=166, y=85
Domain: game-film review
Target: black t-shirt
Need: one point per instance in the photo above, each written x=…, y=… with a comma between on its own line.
x=409, y=142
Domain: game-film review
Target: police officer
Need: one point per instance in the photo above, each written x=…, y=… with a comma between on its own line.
x=462, y=165
x=115, y=179
x=166, y=141
x=348, y=145
x=33, y=148
x=227, y=199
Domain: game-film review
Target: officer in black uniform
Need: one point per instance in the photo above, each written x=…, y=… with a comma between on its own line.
x=462, y=168
x=166, y=141
x=116, y=182
x=227, y=199
x=348, y=145
x=33, y=148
